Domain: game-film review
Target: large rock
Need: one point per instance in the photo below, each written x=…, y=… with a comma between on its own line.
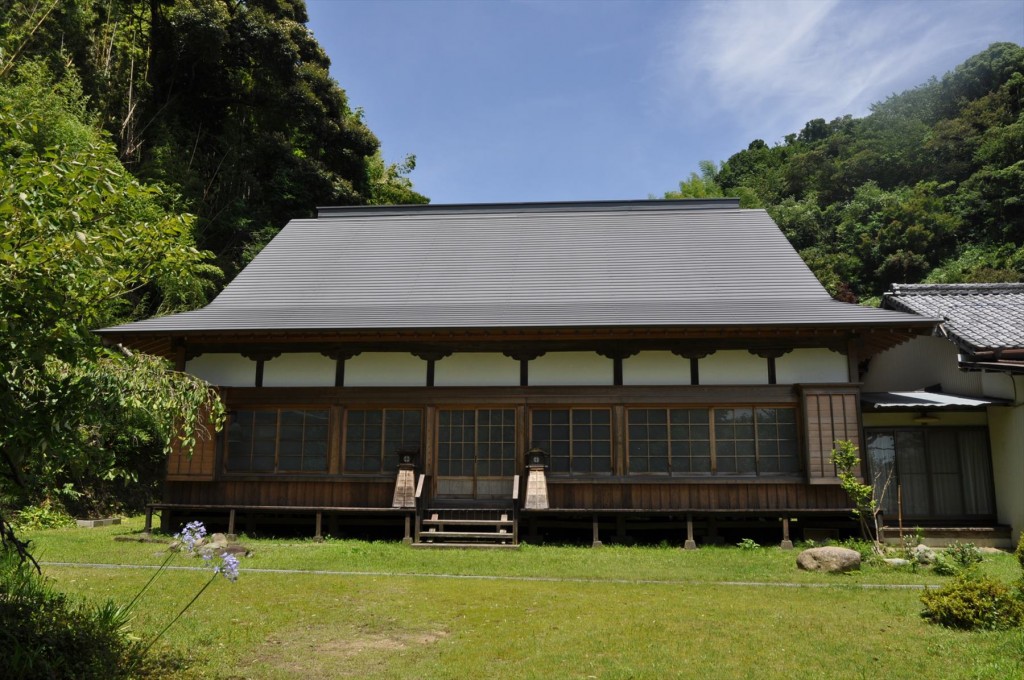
x=923, y=554
x=828, y=558
x=897, y=562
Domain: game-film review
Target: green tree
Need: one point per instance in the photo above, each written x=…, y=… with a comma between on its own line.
x=80, y=240
x=390, y=183
x=930, y=182
x=226, y=105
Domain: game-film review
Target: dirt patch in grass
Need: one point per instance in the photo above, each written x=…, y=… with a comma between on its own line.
x=319, y=651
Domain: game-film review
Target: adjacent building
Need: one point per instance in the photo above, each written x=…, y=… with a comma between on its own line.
x=944, y=414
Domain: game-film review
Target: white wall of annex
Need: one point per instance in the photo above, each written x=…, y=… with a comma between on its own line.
x=226, y=370
x=1006, y=432
x=306, y=369
x=655, y=368
x=733, y=367
x=472, y=369
x=385, y=369
x=571, y=368
x=811, y=365
x=920, y=363
x=1001, y=385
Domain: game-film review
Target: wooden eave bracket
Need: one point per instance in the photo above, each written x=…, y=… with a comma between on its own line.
x=766, y=353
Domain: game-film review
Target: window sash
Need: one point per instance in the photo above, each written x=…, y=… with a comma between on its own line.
x=373, y=437
x=750, y=441
x=578, y=441
x=269, y=441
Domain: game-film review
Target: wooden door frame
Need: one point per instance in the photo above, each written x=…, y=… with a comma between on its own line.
x=435, y=444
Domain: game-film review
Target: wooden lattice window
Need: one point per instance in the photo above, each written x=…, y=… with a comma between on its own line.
x=747, y=440
x=669, y=441
x=278, y=440
x=373, y=438
x=756, y=441
x=577, y=440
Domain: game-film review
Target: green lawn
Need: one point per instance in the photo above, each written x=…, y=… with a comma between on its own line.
x=613, y=612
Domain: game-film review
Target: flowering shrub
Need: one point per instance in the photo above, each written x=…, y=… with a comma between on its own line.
x=191, y=538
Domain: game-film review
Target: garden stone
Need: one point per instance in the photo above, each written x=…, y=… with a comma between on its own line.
x=923, y=554
x=828, y=559
x=216, y=541
x=896, y=562
x=237, y=549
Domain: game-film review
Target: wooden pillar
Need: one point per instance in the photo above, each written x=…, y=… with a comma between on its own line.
x=597, y=540
x=690, y=543
x=407, y=539
x=786, y=543
x=148, y=528
x=318, y=536
x=694, y=354
x=713, y=537
x=231, y=523
x=620, y=530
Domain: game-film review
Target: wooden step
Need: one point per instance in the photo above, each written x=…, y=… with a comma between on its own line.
x=469, y=522
x=490, y=535
x=468, y=546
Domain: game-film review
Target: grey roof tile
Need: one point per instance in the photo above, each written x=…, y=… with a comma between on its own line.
x=603, y=264
x=979, y=316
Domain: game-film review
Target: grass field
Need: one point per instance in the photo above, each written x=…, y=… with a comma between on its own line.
x=382, y=610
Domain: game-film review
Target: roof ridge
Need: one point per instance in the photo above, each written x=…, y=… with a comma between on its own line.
x=907, y=289
x=540, y=206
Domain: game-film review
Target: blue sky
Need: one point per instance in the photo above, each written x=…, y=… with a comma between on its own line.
x=534, y=100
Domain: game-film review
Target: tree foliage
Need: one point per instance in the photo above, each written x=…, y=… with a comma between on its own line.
x=928, y=187
x=227, y=105
x=81, y=244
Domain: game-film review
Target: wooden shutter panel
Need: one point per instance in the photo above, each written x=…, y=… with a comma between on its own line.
x=830, y=413
x=200, y=466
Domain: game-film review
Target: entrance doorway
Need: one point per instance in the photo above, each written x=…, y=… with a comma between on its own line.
x=476, y=453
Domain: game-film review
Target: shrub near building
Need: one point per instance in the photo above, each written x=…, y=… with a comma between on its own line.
x=975, y=602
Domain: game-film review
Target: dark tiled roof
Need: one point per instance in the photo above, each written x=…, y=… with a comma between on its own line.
x=980, y=317
x=601, y=264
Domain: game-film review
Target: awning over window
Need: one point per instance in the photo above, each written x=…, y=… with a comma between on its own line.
x=918, y=401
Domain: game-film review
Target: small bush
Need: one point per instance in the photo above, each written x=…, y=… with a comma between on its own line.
x=45, y=634
x=957, y=558
x=1020, y=551
x=45, y=515
x=748, y=544
x=973, y=604
x=963, y=555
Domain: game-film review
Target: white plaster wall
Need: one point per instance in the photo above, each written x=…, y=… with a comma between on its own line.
x=385, y=369
x=1000, y=385
x=920, y=363
x=472, y=369
x=572, y=368
x=811, y=365
x=305, y=369
x=733, y=367
x=226, y=370
x=1006, y=431
x=655, y=368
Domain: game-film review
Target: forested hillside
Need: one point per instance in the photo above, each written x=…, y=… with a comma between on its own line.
x=227, y=106
x=136, y=138
x=928, y=187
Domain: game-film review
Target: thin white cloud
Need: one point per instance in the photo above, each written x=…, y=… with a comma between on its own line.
x=772, y=65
